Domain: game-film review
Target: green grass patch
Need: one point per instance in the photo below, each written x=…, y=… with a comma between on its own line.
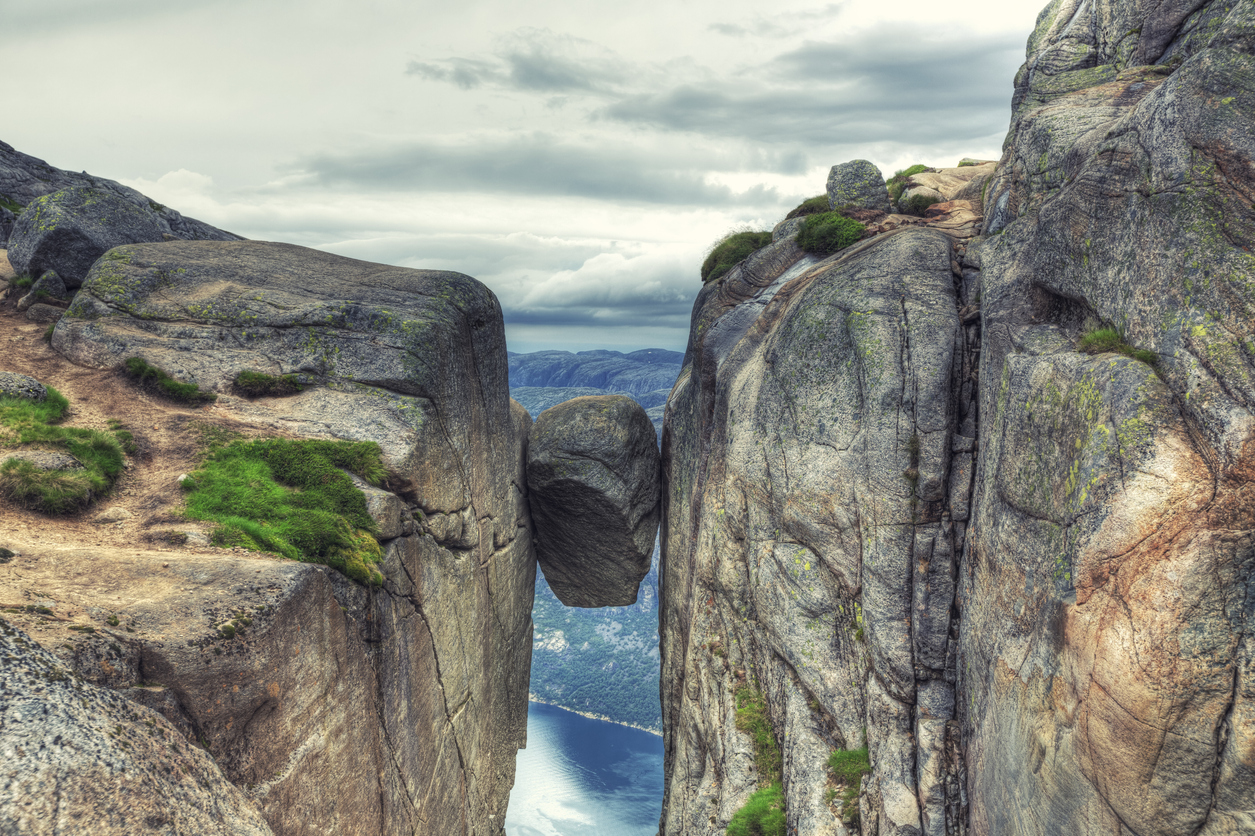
x=290, y=497
x=751, y=718
x=897, y=183
x=917, y=204
x=258, y=384
x=26, y=423
x=762, y=815
x=1103, y=340
x=23, y=282
x=155, y=378
x=12, y=205
x=829, y=232
x=731, y=250
x=848, y=767
x=810, y=206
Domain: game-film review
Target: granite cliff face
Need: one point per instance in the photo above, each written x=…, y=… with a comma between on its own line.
x=899, y=498
x=332, y=706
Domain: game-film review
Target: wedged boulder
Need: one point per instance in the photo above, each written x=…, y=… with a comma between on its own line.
x=593, y=481
x=68, y=230
x=83, y=759
x=858, y=184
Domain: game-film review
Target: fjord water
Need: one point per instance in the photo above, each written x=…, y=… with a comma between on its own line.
x=582, y=777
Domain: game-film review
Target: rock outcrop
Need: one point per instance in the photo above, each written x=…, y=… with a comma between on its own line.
x=593, y=482
x=83, y=759
x=1106, y=652
x=815, y=453
x=340, y=708
x=857, y=184
x=24, y=178
x=68, y=230
x=900, y=496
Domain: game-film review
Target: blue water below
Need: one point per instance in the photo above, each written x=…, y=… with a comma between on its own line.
x=582, y=777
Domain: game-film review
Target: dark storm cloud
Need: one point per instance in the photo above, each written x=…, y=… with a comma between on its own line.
x=544, y=164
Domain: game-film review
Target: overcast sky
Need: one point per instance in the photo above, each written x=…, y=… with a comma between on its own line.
x=578, y=158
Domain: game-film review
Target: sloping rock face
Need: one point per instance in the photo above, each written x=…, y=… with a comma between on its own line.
x=593, y=483
x=24, y=178
x=68, y=230
x=83, y=759
x=817, y=463
x=396, y=710
x=1106, y=653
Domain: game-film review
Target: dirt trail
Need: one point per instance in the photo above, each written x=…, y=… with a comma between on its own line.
x=164, y=433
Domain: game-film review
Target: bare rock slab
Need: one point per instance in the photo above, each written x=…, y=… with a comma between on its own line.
x=83, y=759
x=593, y=478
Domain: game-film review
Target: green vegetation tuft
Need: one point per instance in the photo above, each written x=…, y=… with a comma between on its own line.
x=731, y=250
x=848, y=767
x=1103, y=340
x=810, y=206
x=751, y=718
x=897, y=183
x=762, y=815
x=258, y=384
x=829, y=232
x=12, y=205
x=48, y=332
x=290, y=497
x=917, y=204
x=156, y=378
x=23, y=282
x=34, y=423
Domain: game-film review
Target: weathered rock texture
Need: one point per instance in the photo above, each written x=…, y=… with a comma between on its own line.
x=858, y=184
x=24, y=178
x=1106, y=653
x=1049, y=553
x=817, y=462
x=68, y=230
x=593, y=482
x=390, y=711
x=83, y=759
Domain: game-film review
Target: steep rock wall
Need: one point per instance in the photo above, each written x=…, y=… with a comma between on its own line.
x=817, y=454
x=1107, y=593
x=1047, y=553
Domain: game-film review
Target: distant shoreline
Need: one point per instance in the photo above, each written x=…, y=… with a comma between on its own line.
x=591, y=716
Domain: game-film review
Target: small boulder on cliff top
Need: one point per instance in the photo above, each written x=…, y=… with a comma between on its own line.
x=858, y=184
x=594, y=482
x=67, y=231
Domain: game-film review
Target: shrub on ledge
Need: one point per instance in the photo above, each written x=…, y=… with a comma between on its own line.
x=731, y=251
x=1103, y=340
x=829, y=232
x=258, y=384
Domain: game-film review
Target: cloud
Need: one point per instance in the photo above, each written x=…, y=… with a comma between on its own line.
x=541, y=163
x=848, y=92
x=536, y=61
x=779, y=26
